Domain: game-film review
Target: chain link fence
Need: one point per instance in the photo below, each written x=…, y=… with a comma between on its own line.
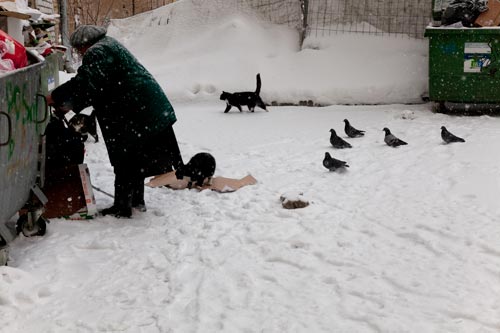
x=325, y=17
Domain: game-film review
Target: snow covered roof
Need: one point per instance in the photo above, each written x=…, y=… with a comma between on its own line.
x=9, y=8
x=20, y=10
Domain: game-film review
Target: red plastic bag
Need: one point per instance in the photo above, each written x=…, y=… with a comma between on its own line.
x=13, y=50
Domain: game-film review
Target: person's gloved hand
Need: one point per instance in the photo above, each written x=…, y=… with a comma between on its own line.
x=59, y=109
x=49, y=100
x=65, y=106
x=59, y=113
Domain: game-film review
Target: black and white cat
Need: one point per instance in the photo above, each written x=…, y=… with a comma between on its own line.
x=200, y=167
x=85, y=125
x=248, y=98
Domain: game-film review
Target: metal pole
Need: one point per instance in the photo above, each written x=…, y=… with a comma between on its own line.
x=304, y=5
x=102, y=191
x=63, y=26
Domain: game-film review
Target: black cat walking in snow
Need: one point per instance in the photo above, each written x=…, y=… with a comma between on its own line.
x=248, y=98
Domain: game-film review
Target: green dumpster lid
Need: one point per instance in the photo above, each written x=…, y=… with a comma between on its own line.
x=436, y=31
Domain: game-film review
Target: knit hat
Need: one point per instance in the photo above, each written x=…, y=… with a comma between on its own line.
x=86, y=35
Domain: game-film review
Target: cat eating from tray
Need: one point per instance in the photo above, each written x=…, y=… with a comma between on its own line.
x=200, y=167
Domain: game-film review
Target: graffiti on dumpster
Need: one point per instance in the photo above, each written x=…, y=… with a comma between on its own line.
x=22, y=107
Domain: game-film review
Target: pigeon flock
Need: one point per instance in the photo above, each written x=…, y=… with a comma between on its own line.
x=390, y=139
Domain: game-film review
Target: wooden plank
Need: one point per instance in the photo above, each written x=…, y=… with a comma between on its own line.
x=18, y=15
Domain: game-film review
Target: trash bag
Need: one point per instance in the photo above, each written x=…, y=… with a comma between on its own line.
x=13, y=50
x=464, y=11
x=64, y=146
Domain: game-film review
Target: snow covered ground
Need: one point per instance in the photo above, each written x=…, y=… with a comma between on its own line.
x=406, y=240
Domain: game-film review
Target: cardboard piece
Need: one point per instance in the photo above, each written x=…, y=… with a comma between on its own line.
x=69, y=193
x=491, y=17
x=88, y=192
x=219, y=184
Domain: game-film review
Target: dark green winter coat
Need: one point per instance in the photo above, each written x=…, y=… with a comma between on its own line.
x=129, y=104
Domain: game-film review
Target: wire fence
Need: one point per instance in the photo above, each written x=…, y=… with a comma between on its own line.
x=325, y=17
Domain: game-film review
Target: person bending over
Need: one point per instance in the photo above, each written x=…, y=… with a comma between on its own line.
x=134, y=114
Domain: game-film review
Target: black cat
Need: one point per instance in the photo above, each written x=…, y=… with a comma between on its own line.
x=85, y=125
x=248, y=98
x=199, y=167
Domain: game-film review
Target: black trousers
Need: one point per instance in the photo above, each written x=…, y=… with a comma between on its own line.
x=129, y=188
x=156, y=155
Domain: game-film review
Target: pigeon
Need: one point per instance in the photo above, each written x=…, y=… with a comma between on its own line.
x=337, y=141
x=351, y=131
x=449, y=137
x=333, y=164
x=391, y=140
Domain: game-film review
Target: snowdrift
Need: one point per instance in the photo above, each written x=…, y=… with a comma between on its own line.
x=196, y=49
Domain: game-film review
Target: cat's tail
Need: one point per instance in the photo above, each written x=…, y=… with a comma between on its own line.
x=259, y=84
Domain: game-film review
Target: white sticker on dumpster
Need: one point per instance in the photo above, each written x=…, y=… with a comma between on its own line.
x=51, y=83
x=476, y=57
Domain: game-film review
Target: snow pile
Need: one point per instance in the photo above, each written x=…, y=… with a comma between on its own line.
x=197, y=49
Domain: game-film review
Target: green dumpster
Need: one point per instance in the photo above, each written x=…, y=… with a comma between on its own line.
x=464, y=68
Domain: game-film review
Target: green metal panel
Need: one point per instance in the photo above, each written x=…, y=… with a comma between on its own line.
x=464, y=65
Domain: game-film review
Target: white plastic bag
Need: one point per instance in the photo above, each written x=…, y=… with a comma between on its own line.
x=6, y=64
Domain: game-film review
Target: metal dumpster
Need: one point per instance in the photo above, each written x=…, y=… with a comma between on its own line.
x=464, y=68
x=23, y=118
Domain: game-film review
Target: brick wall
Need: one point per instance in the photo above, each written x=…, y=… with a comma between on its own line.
x=141, y=6
x=94, y=11
x=100, y=11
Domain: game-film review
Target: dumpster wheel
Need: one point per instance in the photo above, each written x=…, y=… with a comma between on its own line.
x=439, y=107
x=4, y=252
x=30, y=226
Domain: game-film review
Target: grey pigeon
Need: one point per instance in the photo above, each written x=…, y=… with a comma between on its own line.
x=351, y=131
x=337, y=141
x=391, y=139
x=333, y=164
x=449, y=137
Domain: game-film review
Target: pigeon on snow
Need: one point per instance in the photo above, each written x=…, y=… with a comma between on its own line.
x=449, y=137
x=333, y=164
x=337, y=141
x=391, y=139
x=351, y=131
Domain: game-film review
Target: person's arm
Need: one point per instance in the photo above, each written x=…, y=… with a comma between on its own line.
x=86, y=86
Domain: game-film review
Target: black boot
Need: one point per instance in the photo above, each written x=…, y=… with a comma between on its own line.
x=138, y=195
x=122, y=206
x=117, y=211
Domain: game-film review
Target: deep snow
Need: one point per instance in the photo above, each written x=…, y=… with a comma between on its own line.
x=406, y=240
